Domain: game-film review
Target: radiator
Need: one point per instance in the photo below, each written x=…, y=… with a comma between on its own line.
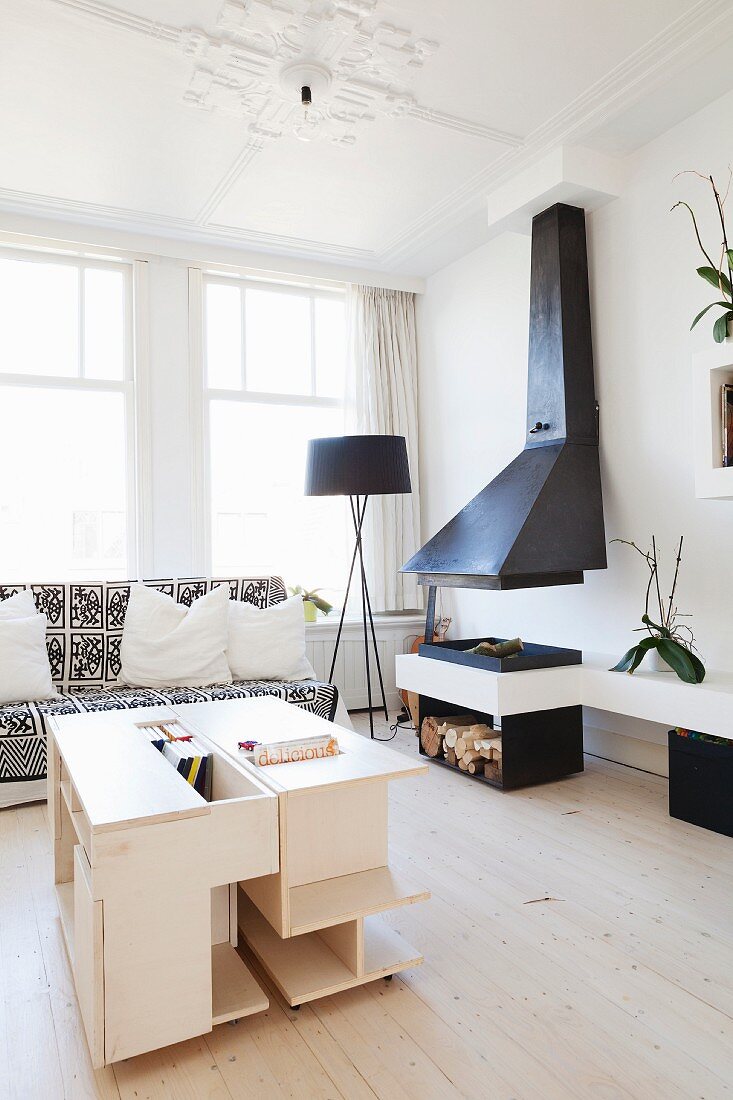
x=395, y=634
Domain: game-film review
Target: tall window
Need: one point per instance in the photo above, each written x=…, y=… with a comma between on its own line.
x=275, y=369
x=67, y=416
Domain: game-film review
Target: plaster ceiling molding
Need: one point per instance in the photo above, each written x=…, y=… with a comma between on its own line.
x=359, y=69
x=687, y=39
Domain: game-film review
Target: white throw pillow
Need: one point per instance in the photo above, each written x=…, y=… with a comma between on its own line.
x=268, y=643
x=25, y=674
x=20, y=606
x=166, y=644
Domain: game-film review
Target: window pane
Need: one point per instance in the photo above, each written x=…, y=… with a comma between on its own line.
x=223, y=336
x=63, y=493
x=261, y=520
x=104, y=323
x=330, y=347
x=39, y=318
x=278, y=340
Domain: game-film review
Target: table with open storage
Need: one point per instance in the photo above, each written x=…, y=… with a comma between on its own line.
x=314, y=925
x=146, y=873
x=155, y=884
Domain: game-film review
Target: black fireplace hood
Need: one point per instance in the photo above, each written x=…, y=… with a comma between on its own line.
x=540, y=521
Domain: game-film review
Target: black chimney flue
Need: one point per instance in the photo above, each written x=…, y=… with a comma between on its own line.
x=540, y=521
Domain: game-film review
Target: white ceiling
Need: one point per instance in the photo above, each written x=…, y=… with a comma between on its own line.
x=169, y=116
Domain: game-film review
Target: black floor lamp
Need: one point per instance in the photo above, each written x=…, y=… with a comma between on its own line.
x=358, y=466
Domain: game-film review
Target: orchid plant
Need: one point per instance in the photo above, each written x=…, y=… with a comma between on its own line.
x=673, y=641
x=718, y=274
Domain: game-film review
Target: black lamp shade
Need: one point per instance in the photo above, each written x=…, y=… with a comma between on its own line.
x=357, y=465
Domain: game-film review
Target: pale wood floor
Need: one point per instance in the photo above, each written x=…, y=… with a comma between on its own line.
x=578, y=944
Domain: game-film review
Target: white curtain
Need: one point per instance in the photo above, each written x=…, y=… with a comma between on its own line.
x=382, y=399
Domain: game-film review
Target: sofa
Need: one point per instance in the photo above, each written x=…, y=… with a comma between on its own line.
x=83, y=641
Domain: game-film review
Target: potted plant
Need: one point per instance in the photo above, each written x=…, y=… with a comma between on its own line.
x=667, y=639
x=719, y=274
x=312, y=603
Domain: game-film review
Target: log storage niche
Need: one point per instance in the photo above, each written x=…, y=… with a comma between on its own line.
x=518, y=750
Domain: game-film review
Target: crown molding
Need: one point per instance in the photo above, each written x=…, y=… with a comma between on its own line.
x=678, y=45
x=70, y=210
x=124, y=20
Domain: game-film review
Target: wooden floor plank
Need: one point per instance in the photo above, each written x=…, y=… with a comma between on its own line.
x=621, y=989
x=81, y=1080
x=32, y=1067
x=185, y=1071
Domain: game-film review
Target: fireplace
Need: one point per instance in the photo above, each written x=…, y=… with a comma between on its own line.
x=538, y=523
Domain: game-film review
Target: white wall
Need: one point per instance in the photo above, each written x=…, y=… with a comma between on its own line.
x=472, y=328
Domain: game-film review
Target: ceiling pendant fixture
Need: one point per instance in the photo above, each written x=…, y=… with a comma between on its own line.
x=308, y=128
x=306, y=80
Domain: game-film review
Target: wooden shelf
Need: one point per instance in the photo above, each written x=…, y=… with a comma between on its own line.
x=65, y=899
x=337, y=900
x=385, y=952
x=304, y=968
x=235, y=992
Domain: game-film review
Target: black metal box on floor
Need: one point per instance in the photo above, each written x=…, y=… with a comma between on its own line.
x=532, y=656
x=701, y=783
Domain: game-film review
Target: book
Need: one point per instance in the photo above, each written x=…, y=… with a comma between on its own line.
x=154, y=735
x=194, y=762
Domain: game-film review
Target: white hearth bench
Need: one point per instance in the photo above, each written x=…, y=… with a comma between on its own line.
x=541, y=710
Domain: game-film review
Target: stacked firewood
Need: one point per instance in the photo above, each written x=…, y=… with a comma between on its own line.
x=463, y=742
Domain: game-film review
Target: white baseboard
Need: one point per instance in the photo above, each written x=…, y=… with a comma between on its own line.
x=635, y=753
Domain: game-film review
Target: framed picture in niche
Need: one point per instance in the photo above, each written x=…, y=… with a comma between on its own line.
x=726, y=393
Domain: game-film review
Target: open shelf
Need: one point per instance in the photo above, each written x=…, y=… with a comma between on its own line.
x=712, y=368
x=304, y=968
x=235, y=992
x=337, y=900
x=385, y=952
x=65, y=899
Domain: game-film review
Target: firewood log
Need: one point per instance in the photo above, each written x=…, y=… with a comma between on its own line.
x=431, y=738
x=492, y=770
x=453, y=732
x=498, y=649
x=481, y=730
x=471, y=755
x=450, y=755
x=462, y=764
x=462, y=745
x=476, y=767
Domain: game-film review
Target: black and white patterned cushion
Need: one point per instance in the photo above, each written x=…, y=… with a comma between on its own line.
x=83, y=640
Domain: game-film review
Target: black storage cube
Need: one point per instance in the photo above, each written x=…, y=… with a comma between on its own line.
x=701, y=783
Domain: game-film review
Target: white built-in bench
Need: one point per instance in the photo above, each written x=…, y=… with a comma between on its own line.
x=653, y=696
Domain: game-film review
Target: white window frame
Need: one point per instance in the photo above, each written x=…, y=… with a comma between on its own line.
x=133, y=385
x=202, y=395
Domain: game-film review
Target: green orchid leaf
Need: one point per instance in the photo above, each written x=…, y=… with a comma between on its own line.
x=720, y=328
x=702, y=312
x=678, y=659
x=698, y=666
x=634, y=656
x=655, y=626
x=715, y=278
x=625, y=661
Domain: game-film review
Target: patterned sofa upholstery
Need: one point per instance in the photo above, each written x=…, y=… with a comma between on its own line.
x=83, y=641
